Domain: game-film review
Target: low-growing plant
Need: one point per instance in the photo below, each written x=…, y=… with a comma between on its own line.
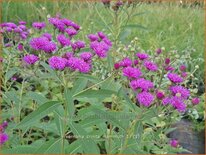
x=60, y=94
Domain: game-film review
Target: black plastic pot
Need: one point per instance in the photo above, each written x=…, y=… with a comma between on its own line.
x=188, y=138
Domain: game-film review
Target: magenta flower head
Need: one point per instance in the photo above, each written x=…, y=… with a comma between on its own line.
x=86, y=56
x=75, y=26
x=64, y=41
x=22, y=23
x=142, y=56
x=117, y=66
x=93, y=37
x=178, y=103
x=180, y=91
x=119, y=3
x=23, y=27
x=20, y=47
x=18, y=30
x=1, y=59
x=184, y=74
x=175, y=78
x=24, y=35
x=195, y=101
x=48, y=36
x=42, y=43
x=182, y=68
x=145, y=98
x=57, y=63
x=71, y=31
x=68, y=55
x=126, y=62
x=160, y=95
x=131, y=72
x=80, y=44
x=167, y=61
x=38, y=43
x=30, y=59
x=39, y=25
x=169, y=68
x=159, y=51
x=75, y=63
x=150, y=66
x=57, y=23
x=141, y=83
x=174, y=143
x=136, y=62
x=100, y=48
x=4, y=124
x=67, y=22
x=107, y=41
x=3, y=138
x=166, y=101
x=101, y=35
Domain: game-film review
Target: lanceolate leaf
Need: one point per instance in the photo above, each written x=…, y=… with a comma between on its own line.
x=79, y=85
x=39, y=98
x=69, y=101
x=52, y=146
x=89, y=145
x=108, y=117
x=42, y=111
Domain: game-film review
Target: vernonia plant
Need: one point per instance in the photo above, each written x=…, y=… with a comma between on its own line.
x=56, y=101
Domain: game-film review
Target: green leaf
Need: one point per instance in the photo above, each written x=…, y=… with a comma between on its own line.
x=58, y=118
x=124, y=34
x=89, y=146
x=90, y=78
x=22, y=149
x=104, y=115
x=74, y=148
x=138, y=128
x=52, y=146
x=40, y=112
x=129, y=103
x=39, y=98
x=69, y=101
x=79, y=85
x=94, y=94
x=140, y=13
x=136, y=26
x=51, y=71
x=10, y=73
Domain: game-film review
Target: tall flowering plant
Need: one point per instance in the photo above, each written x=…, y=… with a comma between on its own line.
x=55, y=102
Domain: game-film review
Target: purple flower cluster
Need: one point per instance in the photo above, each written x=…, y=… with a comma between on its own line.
x=86, y=56
x=3, y=136
x=30, y=59
x=141, y=83
x=78, y=64
x=131, y=72
x=180, y=91
x=63, y=24
x=150, y=66
x=100, y=44
x=71, y=32
x=175, y=78
x=57, y=63
x=78, y=45
x=44, y=44
x=64, y=41
x=142, y=56
x=39, y=25
x=145, y=98
x=20, y=31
